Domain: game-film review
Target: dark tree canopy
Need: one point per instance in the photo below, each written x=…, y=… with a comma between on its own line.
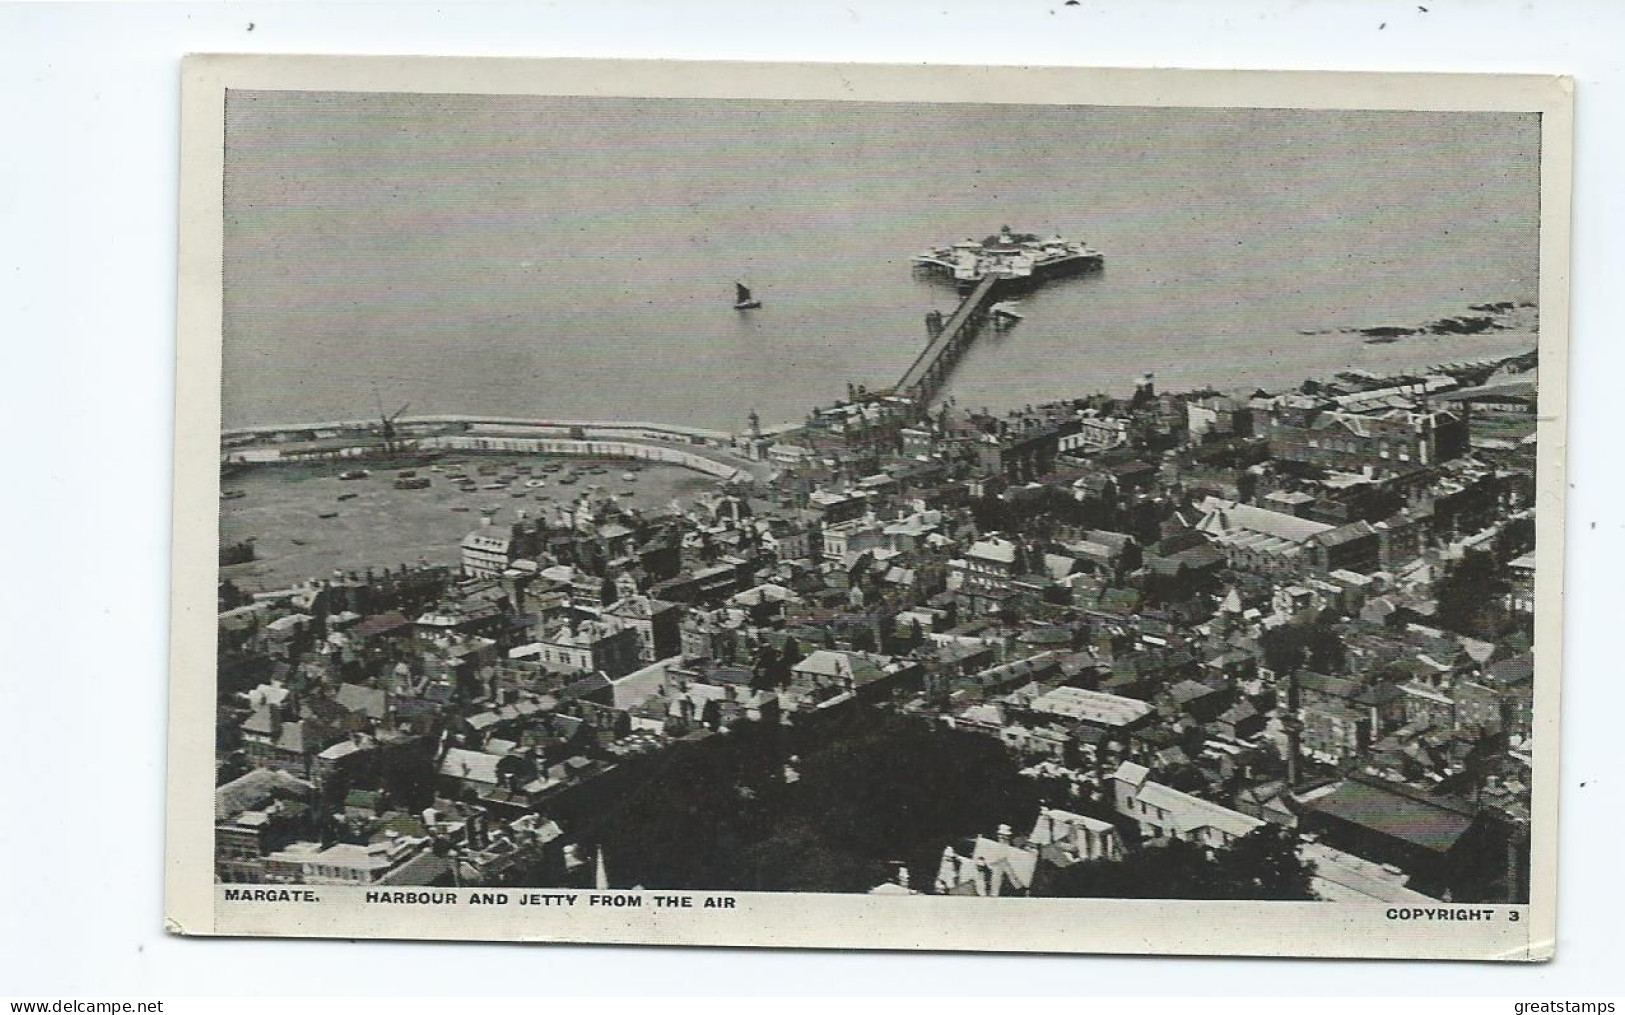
x=1325, y=648
x=1472, y=597
x=1283, y=648
x=873, y=788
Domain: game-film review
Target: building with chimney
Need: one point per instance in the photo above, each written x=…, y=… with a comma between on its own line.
x=393, y=860
x=487, y=553
x=656, y=622
x=1393, y=434
x=590, y=646
x=257, y=814
x=1063, y=838
x=989, y=868
x=1163, y=812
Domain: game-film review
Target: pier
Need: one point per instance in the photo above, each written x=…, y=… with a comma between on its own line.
x=925, y=376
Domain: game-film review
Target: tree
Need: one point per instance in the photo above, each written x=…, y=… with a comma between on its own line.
x=791, y=653
x=1283, y=648
x=409, y=779
x=1472, y=596
x=766, y=667
x=1515, y=537
x=231, y=597
x=1246, y=485
x=1265, y=864
x=1325, y=648
x=991, y=514
x=319, y=609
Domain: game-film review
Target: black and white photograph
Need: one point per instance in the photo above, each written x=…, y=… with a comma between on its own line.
x=852, y=508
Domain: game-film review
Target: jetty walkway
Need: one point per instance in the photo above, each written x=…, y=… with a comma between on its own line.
x=925, y=376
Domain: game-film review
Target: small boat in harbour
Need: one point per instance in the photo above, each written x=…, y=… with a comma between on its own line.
x=743, y=300
x=354, y=474
x=347, y=496
x=328, y=514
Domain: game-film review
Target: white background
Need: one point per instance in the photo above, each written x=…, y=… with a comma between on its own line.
x=88, y=111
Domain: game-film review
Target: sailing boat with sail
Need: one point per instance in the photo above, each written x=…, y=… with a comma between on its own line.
x=743, y=299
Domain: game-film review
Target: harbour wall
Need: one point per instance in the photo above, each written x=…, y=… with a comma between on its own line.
x=565, y=427
x=564, y=446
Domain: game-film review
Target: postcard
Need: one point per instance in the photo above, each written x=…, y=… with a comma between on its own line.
x=860, y=506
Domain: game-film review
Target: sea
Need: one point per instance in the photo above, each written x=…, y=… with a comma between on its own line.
x=572, y=257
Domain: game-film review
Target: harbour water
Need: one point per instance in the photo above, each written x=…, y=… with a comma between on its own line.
x=301, y=530
x=576, y=258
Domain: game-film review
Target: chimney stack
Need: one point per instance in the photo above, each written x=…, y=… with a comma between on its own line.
x=1294, y=729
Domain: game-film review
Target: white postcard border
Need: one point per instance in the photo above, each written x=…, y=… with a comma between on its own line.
x=194, y=904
